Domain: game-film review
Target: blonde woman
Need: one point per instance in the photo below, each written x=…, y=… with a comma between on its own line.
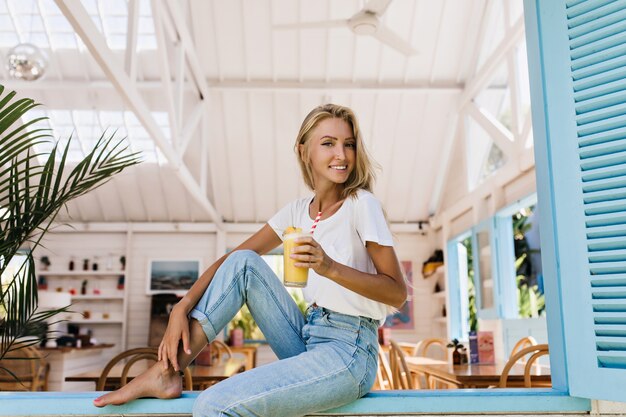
x=328, y=358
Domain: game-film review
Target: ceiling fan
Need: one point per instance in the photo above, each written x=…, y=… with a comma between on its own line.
x=364, y=22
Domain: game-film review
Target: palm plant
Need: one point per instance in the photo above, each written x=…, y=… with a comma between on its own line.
x=31, y=195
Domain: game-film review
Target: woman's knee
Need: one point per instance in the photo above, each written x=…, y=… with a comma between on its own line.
x=243, y=256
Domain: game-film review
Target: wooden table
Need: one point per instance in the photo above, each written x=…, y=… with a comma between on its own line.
x=202, y=375
x=475, y=375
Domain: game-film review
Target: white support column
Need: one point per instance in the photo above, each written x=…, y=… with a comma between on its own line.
x=204, y=154
x=220, y=244
x=179, y=90
x=78, y=17
x=498, y=133
x=131, y=40
x=453, y=135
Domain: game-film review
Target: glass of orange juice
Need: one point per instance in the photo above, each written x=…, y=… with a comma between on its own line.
x=294, y=276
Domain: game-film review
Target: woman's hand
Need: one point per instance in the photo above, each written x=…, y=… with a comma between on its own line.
x=177, y=330
x=309, y=254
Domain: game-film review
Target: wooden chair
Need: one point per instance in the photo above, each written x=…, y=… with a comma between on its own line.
x=29, y=366
x=425, y=348
x=535, y=352
x=384, y=380
x=400, y=374
x=220, y=352
x=133, y=356
x=524, y=342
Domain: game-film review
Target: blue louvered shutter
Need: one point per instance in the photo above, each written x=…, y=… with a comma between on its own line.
x=577, y=62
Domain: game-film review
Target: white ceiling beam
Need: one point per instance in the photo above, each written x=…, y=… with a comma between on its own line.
x=179, y=83
x=182, y=28
x=528, y=124
x=78, y=17
x=132, y=31
x=184, y=227
x=506, y=174
x=473, y=28
x=257, y=85
x=496, y=130
x=204, y=154
x=480, y=39
x=482, y=78
x=164, y=66
x=187, y=132
x=210, y=138
x=514, y=93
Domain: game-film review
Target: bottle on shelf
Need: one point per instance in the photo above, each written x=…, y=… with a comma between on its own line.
x=109, y=262
x=71, y=264
x=85, y=264
x=83, y=287
x=94, y=264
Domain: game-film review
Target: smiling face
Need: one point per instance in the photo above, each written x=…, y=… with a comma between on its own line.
x=330, y=151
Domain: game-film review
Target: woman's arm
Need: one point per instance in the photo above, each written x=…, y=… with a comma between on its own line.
x=261, y=242
x=178, y=324
x=386, y=286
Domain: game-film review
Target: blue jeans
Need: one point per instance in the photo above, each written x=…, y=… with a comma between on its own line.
x=326, y=360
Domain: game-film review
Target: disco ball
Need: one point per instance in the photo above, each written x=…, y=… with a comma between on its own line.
x=26, y=62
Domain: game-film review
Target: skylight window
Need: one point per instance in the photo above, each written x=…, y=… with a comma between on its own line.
x=86, y=126
x=42, y=23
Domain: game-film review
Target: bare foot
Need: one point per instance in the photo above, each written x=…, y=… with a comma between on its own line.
x=154, y=383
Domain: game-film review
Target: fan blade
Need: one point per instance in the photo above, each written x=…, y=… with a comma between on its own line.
x=378, y=7
x=391, y=39
x=314, y=25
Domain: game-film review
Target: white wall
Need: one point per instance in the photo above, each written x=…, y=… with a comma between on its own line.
x=144, y=246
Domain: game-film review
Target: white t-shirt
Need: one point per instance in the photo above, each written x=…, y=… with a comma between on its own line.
x=342, y=236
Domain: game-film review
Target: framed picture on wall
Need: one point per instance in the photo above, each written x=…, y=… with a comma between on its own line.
x=172, y=276
x=403, y=318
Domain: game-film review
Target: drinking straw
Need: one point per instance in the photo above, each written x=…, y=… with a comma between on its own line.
x=317, y=219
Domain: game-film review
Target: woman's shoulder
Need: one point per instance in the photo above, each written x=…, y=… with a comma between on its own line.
x=365, y=197
x=300, y=204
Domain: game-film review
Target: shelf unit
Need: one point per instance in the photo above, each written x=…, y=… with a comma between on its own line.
x=109, y=301
x=439, y=301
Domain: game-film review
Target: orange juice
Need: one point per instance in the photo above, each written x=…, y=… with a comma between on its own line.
x=294, y=276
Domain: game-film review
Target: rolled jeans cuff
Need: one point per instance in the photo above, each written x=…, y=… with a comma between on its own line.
x=206, y=324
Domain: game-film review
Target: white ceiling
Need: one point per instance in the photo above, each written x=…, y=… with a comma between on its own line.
x=258, y=83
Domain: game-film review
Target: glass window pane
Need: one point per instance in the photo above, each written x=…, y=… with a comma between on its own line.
x=63, y=41
x=8, y=39
x=116, y=41
x=59, y=24
x=528, y=270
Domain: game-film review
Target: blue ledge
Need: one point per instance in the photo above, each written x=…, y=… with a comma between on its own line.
x=448, y=401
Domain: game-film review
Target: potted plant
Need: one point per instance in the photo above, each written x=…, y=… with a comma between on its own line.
x=45, y=263
x=456, y=352
x=31, y=195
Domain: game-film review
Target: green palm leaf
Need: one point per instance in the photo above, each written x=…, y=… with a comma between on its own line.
x=31, y=195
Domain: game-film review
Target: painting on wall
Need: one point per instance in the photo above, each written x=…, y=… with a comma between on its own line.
x=403, y=318
x=172, y=276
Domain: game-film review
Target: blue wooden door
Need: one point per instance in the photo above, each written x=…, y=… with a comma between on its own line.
x=577, y=63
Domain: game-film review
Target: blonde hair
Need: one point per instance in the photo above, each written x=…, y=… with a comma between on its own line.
x=363, y=175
